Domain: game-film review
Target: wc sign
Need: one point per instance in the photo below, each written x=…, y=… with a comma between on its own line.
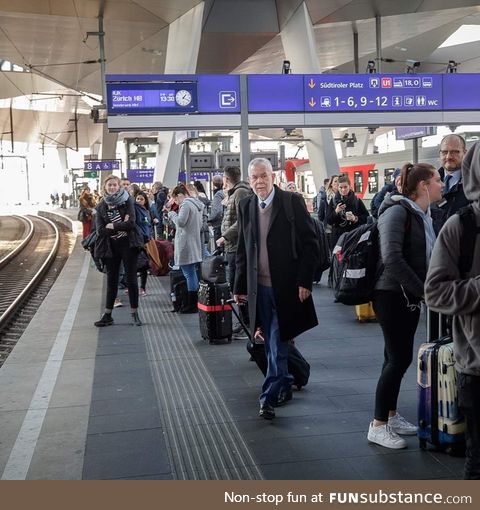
x=386, y=82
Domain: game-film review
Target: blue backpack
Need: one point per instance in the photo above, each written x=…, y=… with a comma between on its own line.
x=143, y=222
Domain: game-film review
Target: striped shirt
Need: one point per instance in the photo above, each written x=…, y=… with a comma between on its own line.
x=114, y=217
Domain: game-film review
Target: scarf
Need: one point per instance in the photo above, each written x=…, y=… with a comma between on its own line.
x=430, y=235
x=115, y=199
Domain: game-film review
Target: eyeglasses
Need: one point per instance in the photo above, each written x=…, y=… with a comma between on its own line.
x=453, y=153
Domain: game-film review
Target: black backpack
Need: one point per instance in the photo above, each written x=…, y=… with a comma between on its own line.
x=354, y=265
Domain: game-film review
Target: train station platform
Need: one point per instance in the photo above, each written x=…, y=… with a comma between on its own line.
x=158, y=402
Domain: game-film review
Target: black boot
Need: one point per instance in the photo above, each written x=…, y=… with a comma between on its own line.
x=106, y=320
x=136, y=319
x=191, y=305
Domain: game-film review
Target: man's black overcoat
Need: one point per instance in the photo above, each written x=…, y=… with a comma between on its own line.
x=287, y=272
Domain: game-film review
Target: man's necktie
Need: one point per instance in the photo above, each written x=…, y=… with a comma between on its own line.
x=447, y=184
x=263, y=205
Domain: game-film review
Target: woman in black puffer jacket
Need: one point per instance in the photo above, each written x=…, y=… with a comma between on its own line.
x=118, y=239
x=407, y=237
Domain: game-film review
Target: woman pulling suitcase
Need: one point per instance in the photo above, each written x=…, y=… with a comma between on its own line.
x=407, y=237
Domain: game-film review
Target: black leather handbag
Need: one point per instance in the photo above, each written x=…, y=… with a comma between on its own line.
x=213, y=269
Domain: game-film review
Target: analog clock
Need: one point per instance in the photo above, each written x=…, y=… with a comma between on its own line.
x=183, y=97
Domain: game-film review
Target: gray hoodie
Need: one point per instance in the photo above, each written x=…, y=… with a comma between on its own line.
x=445, y=290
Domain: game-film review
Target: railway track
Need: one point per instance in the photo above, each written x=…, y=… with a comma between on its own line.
x=27, y=271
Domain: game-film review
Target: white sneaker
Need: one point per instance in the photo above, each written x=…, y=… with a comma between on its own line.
x=401, y=426
x=385, y=436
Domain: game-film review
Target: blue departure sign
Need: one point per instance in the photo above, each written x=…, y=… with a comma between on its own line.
x=152, y=98
x=278, y=93
x=372, y=92
x=172, y=93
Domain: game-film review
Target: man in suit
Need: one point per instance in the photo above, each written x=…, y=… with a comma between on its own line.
x=277, y=253
x=452, y=152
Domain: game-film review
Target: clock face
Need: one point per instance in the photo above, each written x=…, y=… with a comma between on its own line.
x=183, y=97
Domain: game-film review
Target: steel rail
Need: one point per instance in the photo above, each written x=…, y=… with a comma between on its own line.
x=9, y=256
x=7, y=314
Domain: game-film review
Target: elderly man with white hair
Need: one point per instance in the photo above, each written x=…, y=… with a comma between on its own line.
x=277, y=254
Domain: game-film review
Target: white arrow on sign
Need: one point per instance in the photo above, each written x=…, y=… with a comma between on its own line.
x=228, y=99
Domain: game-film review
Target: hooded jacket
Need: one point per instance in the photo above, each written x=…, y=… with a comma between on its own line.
x=446, y=291
x=188, y=224
x=402, y=247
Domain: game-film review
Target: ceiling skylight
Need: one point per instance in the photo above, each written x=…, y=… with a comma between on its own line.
x=465, y=34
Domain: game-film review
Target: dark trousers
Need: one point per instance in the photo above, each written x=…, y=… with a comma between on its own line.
x=469, y=405
x=122, y=253
x=143, y=278
x=399, y=324
x=277, y=378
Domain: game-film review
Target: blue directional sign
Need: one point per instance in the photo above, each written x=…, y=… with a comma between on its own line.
x=372, y=92
x=275, y=93
x=140, y=175
x=461, y=92
x=311, y=93
x=102, y=164
x=410, y=132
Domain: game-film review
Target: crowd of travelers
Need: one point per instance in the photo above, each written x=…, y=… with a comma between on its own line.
x=271, y=250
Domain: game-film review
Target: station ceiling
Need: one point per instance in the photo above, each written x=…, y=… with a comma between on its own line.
x=49, y=37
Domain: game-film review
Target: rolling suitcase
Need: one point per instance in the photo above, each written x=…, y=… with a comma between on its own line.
x=439, y=420
x=214, y=312
x=298, y=366
x=365, y=313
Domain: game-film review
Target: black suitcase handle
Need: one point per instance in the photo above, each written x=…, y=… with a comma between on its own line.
x=239, y=318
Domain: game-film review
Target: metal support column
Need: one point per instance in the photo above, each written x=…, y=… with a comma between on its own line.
x=355, y=47
x=415, y=150
x=378, y=34
x=101, y=41
x=187, y=161
x=244, y=136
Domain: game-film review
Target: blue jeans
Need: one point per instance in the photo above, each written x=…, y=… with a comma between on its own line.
x=277, y=379
x=190, y=273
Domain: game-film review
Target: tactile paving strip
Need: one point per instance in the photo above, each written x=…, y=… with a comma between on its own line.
x=204, y=442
